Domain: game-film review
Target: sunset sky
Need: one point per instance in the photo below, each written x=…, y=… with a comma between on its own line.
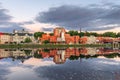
x=44, y=15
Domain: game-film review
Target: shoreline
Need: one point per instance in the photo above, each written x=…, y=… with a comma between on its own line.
x=51, y=45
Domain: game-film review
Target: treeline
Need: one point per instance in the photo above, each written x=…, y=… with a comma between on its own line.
x=113, y=55
x=73, y=33
x=106, y=34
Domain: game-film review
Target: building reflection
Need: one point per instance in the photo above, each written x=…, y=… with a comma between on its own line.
x=59, y=55
x=16, y=54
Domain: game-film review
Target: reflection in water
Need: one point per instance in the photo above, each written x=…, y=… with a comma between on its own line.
x=16, y=54
x=19, y=72
x=76, y=64
x=59, y=55
x=37, y=62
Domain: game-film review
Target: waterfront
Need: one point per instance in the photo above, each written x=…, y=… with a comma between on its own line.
x=60, y=64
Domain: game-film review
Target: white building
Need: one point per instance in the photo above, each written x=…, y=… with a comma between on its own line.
x=20, y=36
x=91, y=40
x=5, y=38
x=16, y=37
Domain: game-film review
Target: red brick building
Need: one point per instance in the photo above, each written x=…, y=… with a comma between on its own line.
x=45, y=37
x=58, y=32
x=83, y=40
x=60, y=56
x=60, y=37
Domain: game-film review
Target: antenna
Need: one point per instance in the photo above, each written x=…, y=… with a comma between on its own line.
x=80, y=31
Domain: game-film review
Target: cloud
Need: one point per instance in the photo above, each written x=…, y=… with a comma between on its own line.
x=10, y=27
x=39, y=27
x=26, y=23
x=93, y=17
x=47, y=29
x=5, y=21
x=21, y=73
x=38, y=62
x=3, y=16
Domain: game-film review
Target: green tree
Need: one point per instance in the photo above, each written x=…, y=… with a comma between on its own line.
x=37, y=55
x=46, y=41
x=46, y=50
x=81, y=34
x=118, y=34
x=74, y=57
x=109, y=34
x=73, y=33
x=51, y=34
x=111, y=55
x=38, y=34
x=27, y=52
x=94, y=34
x=87, y=33
x=27, y=40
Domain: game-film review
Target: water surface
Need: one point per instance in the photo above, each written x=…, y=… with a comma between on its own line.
x=60, y=64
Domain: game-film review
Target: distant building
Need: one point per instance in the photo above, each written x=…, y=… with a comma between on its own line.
x=15, y=54
x=83, y=40
x=91, y=40
x=60, y=34
x=60, y=37
x=72, y=39
x=5, y=38
x=53, y=39
x=16, y=37
x=59, y=58
x=99, y=40
x=20, y=36
x=88, y=40
x=44, y=37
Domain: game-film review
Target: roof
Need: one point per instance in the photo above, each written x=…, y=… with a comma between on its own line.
x=1, y=33
x=22, y=34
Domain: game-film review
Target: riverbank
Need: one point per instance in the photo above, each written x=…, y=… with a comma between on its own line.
x=49, y=45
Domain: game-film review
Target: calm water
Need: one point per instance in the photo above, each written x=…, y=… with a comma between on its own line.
x=60, y=64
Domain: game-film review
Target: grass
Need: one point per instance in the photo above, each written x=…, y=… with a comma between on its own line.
x=49, y=45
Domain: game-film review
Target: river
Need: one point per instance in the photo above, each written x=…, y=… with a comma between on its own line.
x=60, y=64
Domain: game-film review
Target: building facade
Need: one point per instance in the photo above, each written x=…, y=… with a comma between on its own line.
x=5, y=38
x=60, y=37
x=20, y=36
x=16, y=37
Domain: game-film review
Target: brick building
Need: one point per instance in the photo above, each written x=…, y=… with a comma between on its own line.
x=60, y=37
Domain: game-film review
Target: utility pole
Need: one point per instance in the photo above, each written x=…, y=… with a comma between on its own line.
x=80, y=32
x=80, y=36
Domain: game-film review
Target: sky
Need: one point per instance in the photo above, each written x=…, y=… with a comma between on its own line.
x=44, y=15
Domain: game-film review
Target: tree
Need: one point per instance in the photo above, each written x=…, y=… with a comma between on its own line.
x=109, y=34
x=27, y=52
x=38, y=34
x=74, y=57
x=27, y=40
x=46, y=41
x=94, y=34
x=118, y=34
x=73, y=33
x=37, y=55
x=51, y=34
x=46, y=50
x=81, y=34
x=111, y=55
x=87, y=33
